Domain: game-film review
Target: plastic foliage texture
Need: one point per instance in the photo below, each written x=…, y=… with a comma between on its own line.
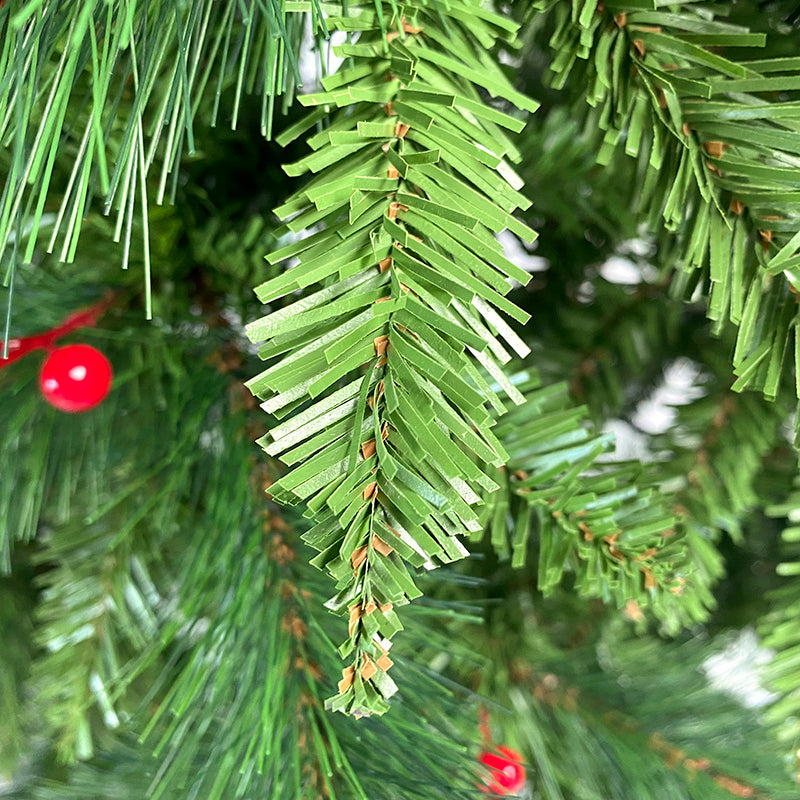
x=378, y=371
x=123, y=107
x=717, y=141
x=608, y=524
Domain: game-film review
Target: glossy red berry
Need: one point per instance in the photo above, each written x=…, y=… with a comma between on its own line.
x=506, y=773
x=75, y=378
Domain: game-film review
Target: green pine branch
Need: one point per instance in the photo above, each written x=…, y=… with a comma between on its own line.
x=96, y=81
x=613, y=359
x=49, y=458
x=732, y=436
x=607, y=523
x=719, y=154
x=101, y=504
x=249, y=690
x=379, y=368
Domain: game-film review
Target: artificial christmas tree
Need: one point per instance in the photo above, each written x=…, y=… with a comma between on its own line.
x=469, y=532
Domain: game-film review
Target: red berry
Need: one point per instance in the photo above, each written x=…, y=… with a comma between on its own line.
x=507, y=775
x=75, y=378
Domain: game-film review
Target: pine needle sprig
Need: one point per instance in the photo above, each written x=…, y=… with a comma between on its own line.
x=91, y=105
x=378, y=369
x=605, y=522
x=718, y=141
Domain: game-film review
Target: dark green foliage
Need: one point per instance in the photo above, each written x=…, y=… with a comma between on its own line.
x=16, y=628
x=607, y=711
x=780, y=629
